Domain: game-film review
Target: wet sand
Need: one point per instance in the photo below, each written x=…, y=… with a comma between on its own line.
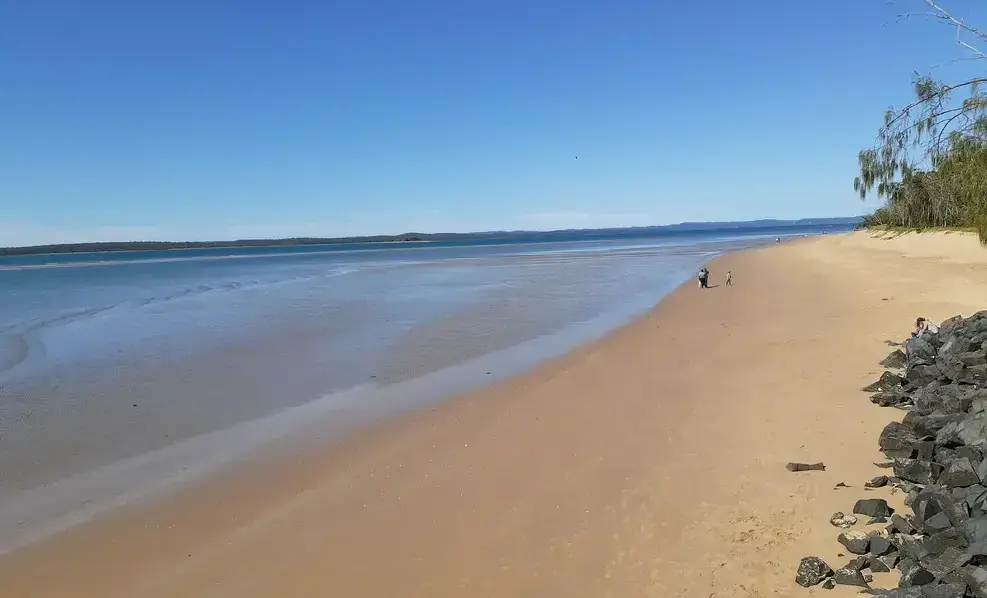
x=651, y=463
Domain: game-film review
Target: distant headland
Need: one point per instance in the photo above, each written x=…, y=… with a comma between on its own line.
x=519, y=235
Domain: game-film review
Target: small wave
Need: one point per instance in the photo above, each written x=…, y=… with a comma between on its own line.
x=14, y=350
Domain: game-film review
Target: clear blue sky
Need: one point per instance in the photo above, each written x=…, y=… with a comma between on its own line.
x=219, y=119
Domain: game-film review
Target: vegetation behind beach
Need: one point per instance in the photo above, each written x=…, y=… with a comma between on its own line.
x=929, y=162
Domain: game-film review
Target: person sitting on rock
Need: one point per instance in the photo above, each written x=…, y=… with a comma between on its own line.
x=923, y=325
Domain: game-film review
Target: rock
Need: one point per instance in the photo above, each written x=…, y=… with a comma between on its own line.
x=877, y=482
x=879, y=545
x=812, y=570
x=902, y=524
x=877, y=520
x=914, y=575
x=937, y=543
x=887, y=382
x=944, y=590
x=840, y=520
x=920, y=472
x=859, y=563
x=883, y=564
x=805, y=467
x=917, y=349
x=920, y=375
x=959, y=473
x=976, y=580
x=855, y=542
x=970, y=452
x=879, y=566
x=975, y=530
x=849, y=576
x=929, y=425
x=895, y=360
x=888, y=399
x=949, y=326
x=954, y=345
x=872, y=507
x=936, y=523
x=925, y=450
x=899, y=593
x=897, y=440
x=950, y=560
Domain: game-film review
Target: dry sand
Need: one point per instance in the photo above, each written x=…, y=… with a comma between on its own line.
x=651, y=463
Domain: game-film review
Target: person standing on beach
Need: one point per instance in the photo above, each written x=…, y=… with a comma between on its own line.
x=703, y=278
x=729, y=281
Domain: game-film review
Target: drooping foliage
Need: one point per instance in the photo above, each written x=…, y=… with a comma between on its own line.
x=929, y=162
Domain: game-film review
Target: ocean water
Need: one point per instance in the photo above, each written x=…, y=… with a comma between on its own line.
x=123, y=373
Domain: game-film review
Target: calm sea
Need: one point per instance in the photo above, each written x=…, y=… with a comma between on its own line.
x=124, y=372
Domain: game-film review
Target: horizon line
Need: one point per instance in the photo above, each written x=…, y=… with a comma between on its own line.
x=412, y=236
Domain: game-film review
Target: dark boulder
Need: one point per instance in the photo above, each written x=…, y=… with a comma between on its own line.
x=849, y=576
x=913, y=574
x=971, y=431
x=970, y=452
x=958, y=473
x=886, y=383
x=890, y=399
x=920, y=472
x=915, y=592
x=944, y=590
x=872, y=507
x=925, y=450
x=954, y=344
x=950, y=560
x=918, y=349
x=937, y=543
x=897, y=440
x=949, y=326
x=901, y=524
x=879, y=545
x=877, y=482
x=974, y=374
x=929, y=425
x=895, y=360
x=812, y=571
x=976, y=580
x=975, y=497
x=920, y=375
x=855, y=542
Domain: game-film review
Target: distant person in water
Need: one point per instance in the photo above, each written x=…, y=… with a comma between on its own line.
x=923, y=325
x=729, y=281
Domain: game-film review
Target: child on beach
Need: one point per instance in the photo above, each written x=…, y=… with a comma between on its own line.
x=729, y=281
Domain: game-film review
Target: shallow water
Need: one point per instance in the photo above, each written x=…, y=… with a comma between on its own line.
x=116, y=375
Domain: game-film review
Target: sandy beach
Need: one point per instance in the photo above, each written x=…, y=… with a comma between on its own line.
x=651, y=463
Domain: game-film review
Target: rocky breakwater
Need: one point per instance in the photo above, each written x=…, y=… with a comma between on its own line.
x=936, y=455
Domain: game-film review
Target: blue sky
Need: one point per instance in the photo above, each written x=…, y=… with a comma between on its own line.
x=222, y=119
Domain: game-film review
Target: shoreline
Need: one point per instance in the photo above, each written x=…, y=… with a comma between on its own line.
x=37, y=513
x=576, y=478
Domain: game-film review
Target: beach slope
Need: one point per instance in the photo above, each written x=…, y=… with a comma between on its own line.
x=651, y=463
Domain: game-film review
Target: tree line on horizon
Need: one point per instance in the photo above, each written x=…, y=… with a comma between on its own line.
x=929, y=162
